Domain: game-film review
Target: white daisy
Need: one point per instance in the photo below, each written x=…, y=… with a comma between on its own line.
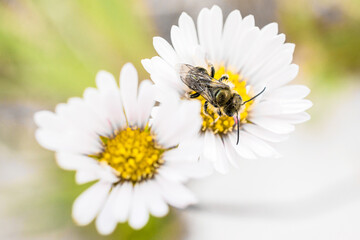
x=252, y=58
x=139, y=168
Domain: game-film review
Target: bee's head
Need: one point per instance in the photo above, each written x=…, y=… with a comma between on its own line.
x=233, y=106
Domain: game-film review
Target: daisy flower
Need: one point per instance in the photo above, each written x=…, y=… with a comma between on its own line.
x=252, y=59
x=106, y=137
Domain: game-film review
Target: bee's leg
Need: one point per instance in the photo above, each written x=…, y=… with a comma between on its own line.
x=224, y=77
x=194, y=95
x=212, y=73
x=206, y=104
x=219, y=115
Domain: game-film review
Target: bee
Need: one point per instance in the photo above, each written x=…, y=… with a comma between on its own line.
x=216, y=92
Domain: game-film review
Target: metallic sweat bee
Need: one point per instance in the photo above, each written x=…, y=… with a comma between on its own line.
x=215, y=92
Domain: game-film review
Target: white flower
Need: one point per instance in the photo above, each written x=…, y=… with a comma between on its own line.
x=138, y=166
x=253, y=58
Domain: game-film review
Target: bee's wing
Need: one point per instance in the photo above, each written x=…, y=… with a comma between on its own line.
x=191, y=76
x=194, y=78
x=199, y=81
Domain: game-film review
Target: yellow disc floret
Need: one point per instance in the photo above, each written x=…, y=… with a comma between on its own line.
x=132, y=153
x=225, y=124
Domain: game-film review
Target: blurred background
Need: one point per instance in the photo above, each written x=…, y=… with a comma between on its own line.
x=51, y=50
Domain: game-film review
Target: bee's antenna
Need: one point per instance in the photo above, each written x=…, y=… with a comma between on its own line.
x=254, y=96
x=238, y=128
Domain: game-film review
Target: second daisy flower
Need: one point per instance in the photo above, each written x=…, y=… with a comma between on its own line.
x=107, y=137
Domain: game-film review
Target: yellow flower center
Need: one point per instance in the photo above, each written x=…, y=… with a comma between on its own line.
x=225, y=124
x=132, y=153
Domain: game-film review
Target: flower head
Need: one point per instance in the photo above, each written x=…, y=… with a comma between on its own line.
x=250, y=59
x=138, y=164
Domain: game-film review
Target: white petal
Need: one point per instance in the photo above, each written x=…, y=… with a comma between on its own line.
x=258, y=146
x=128, y=89
x=105, y=81
x=216, y=24
x=200, y=57
x=175, y=193
x=186, y=24
x=276, y=66
x=161, y=125
x=85, y=176
x=159, y=120
x=110, y=95
x=191, y=169
x=79, y=128
x=123, y=202
x=189, y=37
x=67, y=141
x=147, y=65
x=296, y=118
x=70, y=161
x=80, y=115
x=179, y=43
x=165, y=50
x=266, y=108
x=88, y=204
x=274, y=125
x=146, y=101
x=247, y=46
x=164, y=75
x=266, y=53
x=247, y=24
x=188, y=150
x=186, y=122
x=106, y=222
x=283, y=77
x=210, y=150
x=231, y=25
x=153, y=199
x=270, y=29
x=210, y=23
x=95, y=172
x=97, y=102
x=163, y=92
x=139, y=215
x=173, y=126
x=56, y=133
x=172, y=174
x=231, y=152
x=242, y=148
x=47, y=120
x=222, y=163
x=48, y=140
x=263, y=133
x=204, y=29
x=106, y=173
x=291, y=92
x=260, y=51
x=185, y=159
x=296, y=106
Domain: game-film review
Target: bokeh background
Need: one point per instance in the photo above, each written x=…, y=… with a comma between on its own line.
x=51, y=50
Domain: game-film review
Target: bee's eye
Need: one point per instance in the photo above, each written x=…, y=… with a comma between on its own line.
x=229, y=111
x=222, y=96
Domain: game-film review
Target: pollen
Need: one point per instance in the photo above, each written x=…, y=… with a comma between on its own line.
x=225, y=124
x=132, y=153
